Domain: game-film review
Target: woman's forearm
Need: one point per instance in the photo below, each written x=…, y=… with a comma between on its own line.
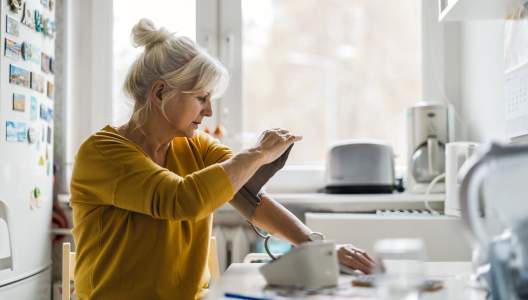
x=242, y=166
x=277, y=220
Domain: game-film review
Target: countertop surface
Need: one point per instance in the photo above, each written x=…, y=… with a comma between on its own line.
x=245, y=279
x=354, y=202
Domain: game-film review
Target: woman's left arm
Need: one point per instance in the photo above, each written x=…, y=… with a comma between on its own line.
x=277, y=220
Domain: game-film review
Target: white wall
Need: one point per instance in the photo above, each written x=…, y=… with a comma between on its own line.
x=84, y=99
x=482, y=104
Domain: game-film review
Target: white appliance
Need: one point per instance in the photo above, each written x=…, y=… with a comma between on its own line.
x=456, y=154
x=360, y=166
x=311, y=265
x=495, y=212
x=430, y=125
x=26, y=147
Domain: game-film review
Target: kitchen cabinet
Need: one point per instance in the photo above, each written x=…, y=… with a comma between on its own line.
x=467, y=10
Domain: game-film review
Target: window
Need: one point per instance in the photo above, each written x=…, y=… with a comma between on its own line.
x=330, y=70
x=176, y=15
x=327, y=69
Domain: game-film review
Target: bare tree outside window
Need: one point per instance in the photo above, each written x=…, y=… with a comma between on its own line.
x=331, y=70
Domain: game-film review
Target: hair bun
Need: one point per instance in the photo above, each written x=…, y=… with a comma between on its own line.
x=144, y=33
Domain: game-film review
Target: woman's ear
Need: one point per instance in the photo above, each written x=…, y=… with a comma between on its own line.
x=159, y=91
x=156, y=91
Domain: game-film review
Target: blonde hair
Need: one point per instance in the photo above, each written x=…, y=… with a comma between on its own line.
x=177, y=60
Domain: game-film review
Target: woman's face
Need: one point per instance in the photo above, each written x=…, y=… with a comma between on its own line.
x=186, y=111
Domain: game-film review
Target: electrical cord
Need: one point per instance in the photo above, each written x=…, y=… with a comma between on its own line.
x=428, y=191
x=266, y=238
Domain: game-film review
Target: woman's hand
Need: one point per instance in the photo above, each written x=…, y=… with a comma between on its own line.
x=355, y=258
x=272, y=143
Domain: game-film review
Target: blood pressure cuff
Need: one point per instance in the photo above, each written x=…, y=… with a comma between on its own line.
x=247, y=198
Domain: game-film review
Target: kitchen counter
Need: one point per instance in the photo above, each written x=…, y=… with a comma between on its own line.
x=301, y=203
x=245, y=279
x=354, y=202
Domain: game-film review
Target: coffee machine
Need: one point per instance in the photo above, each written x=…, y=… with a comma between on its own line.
x=430, y=126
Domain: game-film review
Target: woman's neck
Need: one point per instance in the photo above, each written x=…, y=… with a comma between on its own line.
x=152, y=140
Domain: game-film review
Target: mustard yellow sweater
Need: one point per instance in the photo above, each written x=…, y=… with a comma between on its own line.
x=142, y=231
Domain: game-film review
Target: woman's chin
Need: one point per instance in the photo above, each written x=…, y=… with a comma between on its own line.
x=190, y=133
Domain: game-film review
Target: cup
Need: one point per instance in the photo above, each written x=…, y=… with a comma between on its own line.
x=456, y=154
x=400, y=268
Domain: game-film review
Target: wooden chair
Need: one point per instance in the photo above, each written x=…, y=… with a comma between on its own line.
x=212, y=260
x=68, y=268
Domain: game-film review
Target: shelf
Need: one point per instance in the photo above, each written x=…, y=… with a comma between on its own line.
x=467, y=10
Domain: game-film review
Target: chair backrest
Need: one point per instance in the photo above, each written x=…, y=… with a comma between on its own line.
x=212, y=260
x=68, y=268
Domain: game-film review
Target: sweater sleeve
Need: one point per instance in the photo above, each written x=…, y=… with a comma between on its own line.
x=213, y=151
x=143, y=186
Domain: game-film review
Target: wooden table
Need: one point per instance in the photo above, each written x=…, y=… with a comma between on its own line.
x=245, y=279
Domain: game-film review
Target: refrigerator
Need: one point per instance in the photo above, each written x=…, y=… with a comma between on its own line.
x=27, y=35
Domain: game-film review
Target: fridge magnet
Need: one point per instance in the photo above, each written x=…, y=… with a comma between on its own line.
x=35, y=198
x=33, y=114
x=12, y=26
x=37, y=82
x=35, y=54
x=32, y=135
x=45, y=63
x=45, y=3
x=19, y=76
x=15, y=5
x=50, y=114
x=52, y=61
x=38, y=21
x=27, y=51
x=27, y=17
x=51, y=4
x=21, y=132
x=51, y=90
x=12, y=49
x=19, y=102
x=43, y=134
x=11, y=131
x=43, y=112
x=48, y=27
x=49, y=136
x=41, y=161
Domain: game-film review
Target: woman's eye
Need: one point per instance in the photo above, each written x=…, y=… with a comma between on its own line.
x=201, y=99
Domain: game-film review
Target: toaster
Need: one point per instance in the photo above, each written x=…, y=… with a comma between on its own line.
x=360, y=166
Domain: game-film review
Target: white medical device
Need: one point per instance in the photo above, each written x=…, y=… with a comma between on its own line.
x=311, y=265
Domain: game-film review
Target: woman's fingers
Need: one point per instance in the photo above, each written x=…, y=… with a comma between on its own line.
x=360, y=251
x=355, y=258
x=274, y=142
x=295, y=138
x=353, y=261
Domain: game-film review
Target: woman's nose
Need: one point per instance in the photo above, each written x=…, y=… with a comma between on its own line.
x=208, y=110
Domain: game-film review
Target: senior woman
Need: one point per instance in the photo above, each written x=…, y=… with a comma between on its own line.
x=143, y=193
